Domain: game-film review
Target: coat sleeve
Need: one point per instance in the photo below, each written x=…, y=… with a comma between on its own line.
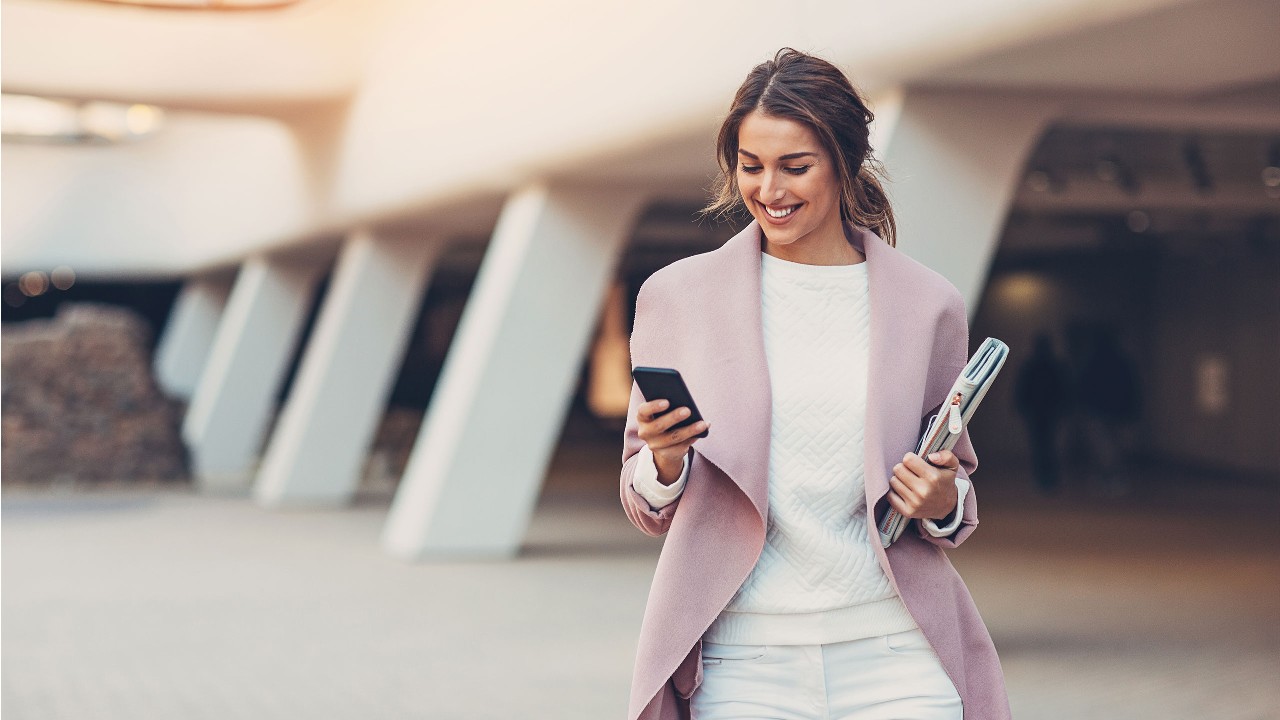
x=951, y=353
x=639, y=512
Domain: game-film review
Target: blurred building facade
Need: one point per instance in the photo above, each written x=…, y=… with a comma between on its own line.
x=331, y=184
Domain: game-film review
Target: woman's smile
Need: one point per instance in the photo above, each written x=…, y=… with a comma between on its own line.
x=781, y=214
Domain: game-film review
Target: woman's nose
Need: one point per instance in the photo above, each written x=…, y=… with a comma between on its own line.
x=772, y=187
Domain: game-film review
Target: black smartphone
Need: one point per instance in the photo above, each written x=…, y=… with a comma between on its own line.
x=666, y=384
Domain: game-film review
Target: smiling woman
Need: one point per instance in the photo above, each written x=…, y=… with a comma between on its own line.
x=800, y=117
x=801, y=339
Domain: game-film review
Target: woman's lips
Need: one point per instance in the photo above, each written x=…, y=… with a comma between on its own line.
x=773, y=219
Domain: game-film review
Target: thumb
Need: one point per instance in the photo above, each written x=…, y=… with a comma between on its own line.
x=943, y=458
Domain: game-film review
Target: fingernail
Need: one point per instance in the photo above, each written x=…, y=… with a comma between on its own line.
x=935, y=456
x=662, y=404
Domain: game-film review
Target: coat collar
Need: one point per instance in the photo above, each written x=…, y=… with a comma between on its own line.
x=741, y=405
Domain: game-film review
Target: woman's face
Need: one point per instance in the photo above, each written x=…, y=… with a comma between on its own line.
x=787, y=180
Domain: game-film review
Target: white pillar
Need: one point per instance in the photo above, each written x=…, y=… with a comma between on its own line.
x=325, y=428
x=188, y=334
x=232, y=405
x=497, y=413
x=955, y=160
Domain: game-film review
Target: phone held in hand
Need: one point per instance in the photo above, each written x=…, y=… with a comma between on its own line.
x=666, y=384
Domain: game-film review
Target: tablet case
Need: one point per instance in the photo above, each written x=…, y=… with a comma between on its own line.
x=944, y=429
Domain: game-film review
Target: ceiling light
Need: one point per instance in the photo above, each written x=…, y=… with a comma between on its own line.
x=1196, y=166
x=1042, y=180
x=29, y=118
x=1271, y=173
x=1111, y=169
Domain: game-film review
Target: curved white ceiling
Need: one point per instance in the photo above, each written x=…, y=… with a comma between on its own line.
x=237, y=61
x=406, y=109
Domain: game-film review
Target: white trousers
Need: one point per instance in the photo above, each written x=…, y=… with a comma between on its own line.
x=890, y=677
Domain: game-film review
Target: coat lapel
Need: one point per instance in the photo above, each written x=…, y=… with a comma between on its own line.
x=901, y=339
x=885, y=375
x=738, y=400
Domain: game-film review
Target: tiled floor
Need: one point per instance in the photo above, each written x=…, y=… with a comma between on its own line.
x=164, y=604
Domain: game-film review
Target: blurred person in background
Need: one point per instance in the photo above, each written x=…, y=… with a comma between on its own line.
x=801, y=336
x=1042, y=396
x=1111, y=402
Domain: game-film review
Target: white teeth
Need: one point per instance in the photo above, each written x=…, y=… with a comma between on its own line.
x=780, y=213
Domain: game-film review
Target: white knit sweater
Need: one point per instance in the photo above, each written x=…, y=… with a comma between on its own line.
x=817, y=579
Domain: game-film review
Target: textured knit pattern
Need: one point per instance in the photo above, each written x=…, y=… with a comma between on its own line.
x=817, y=555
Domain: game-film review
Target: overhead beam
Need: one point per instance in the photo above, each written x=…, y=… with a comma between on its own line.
x=1176, y=115
x=1163, y=196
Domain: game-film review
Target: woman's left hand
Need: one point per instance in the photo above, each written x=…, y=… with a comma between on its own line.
x=919, y=489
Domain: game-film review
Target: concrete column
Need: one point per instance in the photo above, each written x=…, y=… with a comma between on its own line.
x=232, y=405
x=188, y=334
x=325, y=428
x=955, y=161
x=498, y=410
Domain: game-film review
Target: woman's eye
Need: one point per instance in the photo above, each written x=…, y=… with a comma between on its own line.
x=799, y=170
x=752, y=169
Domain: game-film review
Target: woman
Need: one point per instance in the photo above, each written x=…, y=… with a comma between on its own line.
x=814, y=351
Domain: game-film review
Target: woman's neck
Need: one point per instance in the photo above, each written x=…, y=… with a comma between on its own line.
x=821, y=247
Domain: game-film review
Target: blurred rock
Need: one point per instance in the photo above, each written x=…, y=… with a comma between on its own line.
x=80, y=404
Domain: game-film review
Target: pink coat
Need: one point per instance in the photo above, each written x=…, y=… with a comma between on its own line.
x=701, y=315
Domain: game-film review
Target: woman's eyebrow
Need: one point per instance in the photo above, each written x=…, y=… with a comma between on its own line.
x=788, y=156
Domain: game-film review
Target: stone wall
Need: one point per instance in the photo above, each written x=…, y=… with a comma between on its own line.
x=80, y=404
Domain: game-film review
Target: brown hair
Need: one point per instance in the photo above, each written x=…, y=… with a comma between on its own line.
x=811, y=91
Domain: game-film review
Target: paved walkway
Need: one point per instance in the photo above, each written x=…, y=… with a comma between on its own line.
x=163, y=604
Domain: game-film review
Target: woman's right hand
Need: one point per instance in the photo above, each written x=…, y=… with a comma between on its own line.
x=668, y=446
